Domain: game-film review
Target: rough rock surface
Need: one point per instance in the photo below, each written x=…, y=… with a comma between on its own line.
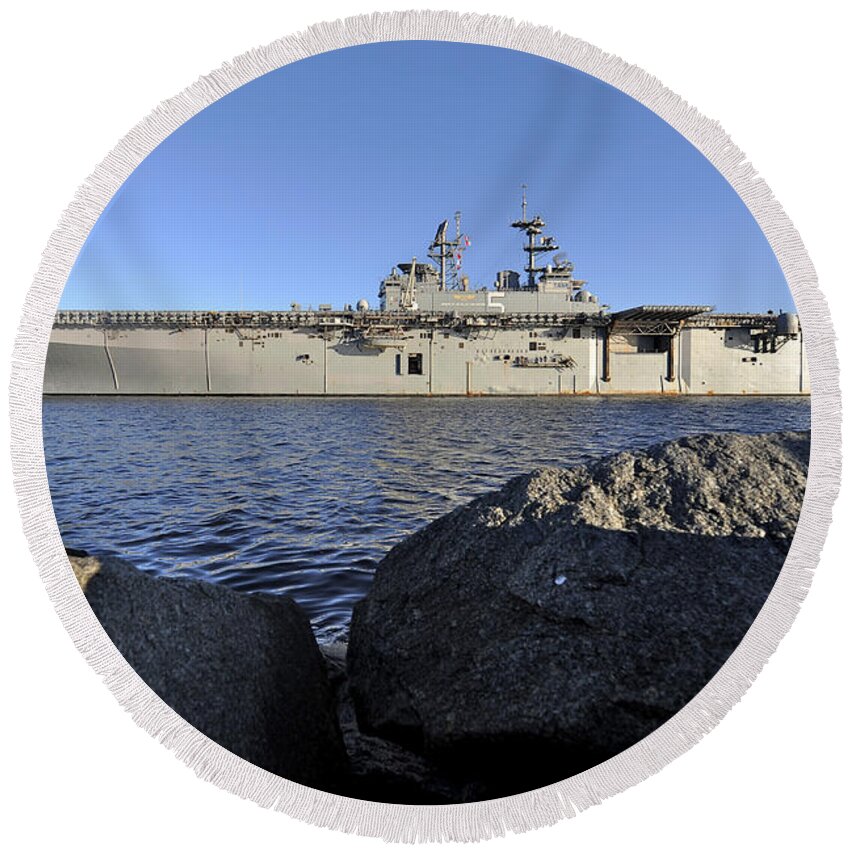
x=244, y=670
x=543, y=628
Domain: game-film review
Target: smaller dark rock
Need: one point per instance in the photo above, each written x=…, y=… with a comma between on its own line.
x=243, y=669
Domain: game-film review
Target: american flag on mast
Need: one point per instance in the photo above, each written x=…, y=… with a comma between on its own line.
x=459, y=256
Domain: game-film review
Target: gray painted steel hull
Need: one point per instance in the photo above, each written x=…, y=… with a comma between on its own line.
x=157, y=360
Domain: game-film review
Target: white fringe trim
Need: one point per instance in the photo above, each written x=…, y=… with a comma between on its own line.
x=470, y=821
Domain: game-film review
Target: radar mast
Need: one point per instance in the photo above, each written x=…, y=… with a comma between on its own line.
x=533, y=228
x=448, y=253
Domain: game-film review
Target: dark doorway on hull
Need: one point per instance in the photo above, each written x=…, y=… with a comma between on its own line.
x=414, y=364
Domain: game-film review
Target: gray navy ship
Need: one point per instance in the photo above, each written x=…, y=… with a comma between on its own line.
x=541, y=333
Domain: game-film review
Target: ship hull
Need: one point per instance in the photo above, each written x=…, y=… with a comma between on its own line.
x=419, y=360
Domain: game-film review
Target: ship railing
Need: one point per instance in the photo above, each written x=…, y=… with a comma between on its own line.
x=730, y=320
x=177, y=319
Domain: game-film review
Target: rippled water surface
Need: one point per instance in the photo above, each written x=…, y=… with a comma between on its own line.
x=304, y=496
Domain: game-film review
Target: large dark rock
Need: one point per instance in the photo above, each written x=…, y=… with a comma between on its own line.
x=244, y=670
x=544, y=628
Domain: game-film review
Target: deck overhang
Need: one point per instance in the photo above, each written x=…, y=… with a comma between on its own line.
x=654, y=320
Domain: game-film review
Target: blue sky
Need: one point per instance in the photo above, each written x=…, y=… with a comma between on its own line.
x=311, y=182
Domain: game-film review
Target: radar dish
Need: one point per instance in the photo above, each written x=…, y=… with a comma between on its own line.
x=560, y=259
x=440, y=236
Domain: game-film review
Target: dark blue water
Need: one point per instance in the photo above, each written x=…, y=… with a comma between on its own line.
x=304, y=496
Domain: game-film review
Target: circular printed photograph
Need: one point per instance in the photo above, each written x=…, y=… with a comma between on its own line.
x=426, y=422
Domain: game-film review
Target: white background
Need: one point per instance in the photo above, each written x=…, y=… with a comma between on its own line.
x=77, y=771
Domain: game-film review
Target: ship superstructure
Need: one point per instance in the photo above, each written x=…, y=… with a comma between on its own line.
x=433, y=334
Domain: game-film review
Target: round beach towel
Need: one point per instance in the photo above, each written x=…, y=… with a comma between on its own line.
x=418, y=423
